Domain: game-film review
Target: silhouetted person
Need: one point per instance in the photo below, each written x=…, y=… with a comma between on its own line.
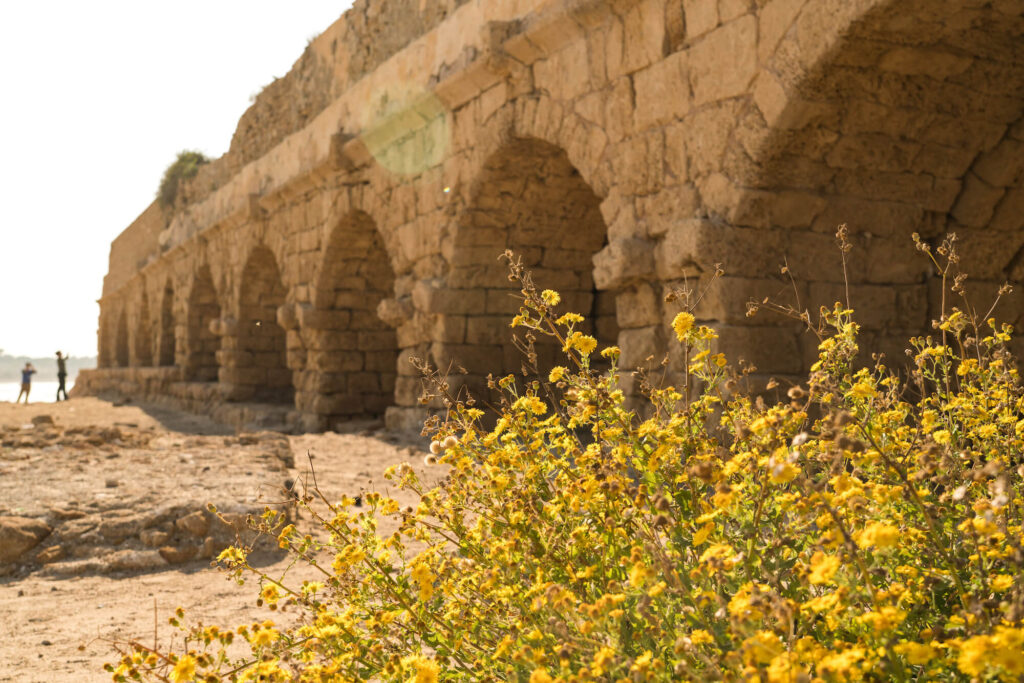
x=26, y=382
x=62, y=374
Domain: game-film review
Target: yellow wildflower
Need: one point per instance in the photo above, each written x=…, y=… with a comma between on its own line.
x=682, y=324
x=184, y=669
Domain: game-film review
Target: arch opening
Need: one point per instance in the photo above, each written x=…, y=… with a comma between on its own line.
x=912, y=122
x=353, y=351
x=167, y=344
x=530, y=200
x=202, y=343
x=261, y=369
x=122, y=354
x=144, y=335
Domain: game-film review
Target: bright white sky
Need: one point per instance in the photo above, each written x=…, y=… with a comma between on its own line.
x=96, y=99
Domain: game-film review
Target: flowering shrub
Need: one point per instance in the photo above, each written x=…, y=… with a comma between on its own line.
x=867, y=529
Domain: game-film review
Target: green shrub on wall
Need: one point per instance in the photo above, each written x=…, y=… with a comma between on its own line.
x=185, y=166
x=863, y=528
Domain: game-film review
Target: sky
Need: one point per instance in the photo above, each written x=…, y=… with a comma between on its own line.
x=96, y=99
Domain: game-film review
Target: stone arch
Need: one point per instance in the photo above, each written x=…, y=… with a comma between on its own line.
x=201, y=342
x=143, y=339
x=528, y=198
x=167, y=344
x=352, y=352
x=893, y=117
x=260, y=370
x=122, y=349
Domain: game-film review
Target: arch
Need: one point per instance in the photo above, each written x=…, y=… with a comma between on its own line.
x=908, y=119
x=353, y=350
x=201, y=343
x=143, y=341
x=530, y=199
x=121, y=348
x=167, y=342
x=260, y=364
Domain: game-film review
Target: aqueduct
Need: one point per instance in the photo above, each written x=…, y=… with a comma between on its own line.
x=622, y=147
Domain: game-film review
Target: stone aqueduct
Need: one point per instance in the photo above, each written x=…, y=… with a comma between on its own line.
x=622, y=147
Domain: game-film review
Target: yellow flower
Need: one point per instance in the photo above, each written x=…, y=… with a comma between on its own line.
x=270, y=594
x=184, y=669
x=916, y=653
x=1002, y=582
x=540, y=676
x=682, y=323
x=550, y=297
x=823, y=567
x=941, y=436
x=265, y=636
x=701, y=637
x=879, y=535
x=427, y=670
x=557, y=373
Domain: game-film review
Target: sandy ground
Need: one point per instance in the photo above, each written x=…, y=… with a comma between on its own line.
x=57, y=627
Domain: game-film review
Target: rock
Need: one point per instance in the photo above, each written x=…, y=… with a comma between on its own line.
x=39, y=420
x=51, y=554
x=74, y=568
x=66, y=513
x=178, y=555
x=211, y=547
x=154, y=538
x=18, y=535
x=135, y=560
x=195, y=523
x=116, y=529
x=111, y=483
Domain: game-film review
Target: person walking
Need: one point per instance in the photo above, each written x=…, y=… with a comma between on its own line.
x=62, y=374
x=26, y=382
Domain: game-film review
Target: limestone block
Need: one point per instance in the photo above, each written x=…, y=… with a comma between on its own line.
x=623, y=261
x=18, y=535
x=337, y=404
x=977, y=202
x=725, y=300
x=642, y=347
x=394, y=312
x=335, y=361
x=470, y=356
x=662, y=93
x=1009, y=214
x=310, y=318
x=375, y=341
x=408, y=390
x=638, y=306
x=224, y=327
x=1002, y=166
x=565, y=73
x=724, y=62
x=773, y=350
x=701, y=17
x=643, y=39
x=432, y=297
x=774, y=20
x=916, y=61
x=194, y=523
x=619, y=107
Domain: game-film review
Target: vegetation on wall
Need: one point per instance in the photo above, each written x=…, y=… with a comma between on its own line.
x=184, y=167
x=864, y=527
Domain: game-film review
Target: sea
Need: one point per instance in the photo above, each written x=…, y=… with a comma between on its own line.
x=42, y=391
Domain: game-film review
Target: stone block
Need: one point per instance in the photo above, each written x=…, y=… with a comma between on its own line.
x=701, y=17
x=638, y=306
x=977, y=202
x=662, y=92
x=432, y=297
x=724, y=62
x=642, y=347
x=623, y=261
x=774, y=350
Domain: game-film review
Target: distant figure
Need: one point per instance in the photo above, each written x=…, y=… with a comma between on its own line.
x=62, y=374
x=26, y=381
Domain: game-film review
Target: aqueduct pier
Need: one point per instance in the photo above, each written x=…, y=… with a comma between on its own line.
x=622, y=147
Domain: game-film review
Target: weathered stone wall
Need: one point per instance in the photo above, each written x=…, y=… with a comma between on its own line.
x=623, y=148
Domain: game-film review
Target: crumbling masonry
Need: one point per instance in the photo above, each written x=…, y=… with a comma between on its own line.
x=622, y=147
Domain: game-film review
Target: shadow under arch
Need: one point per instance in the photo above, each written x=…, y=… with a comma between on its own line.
x=260, y=366
x=530, y=199
x=166, y=343
x=352, y=354
x=143, y=340
x=201, y=343
x=122, y=353
x=910, y=122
